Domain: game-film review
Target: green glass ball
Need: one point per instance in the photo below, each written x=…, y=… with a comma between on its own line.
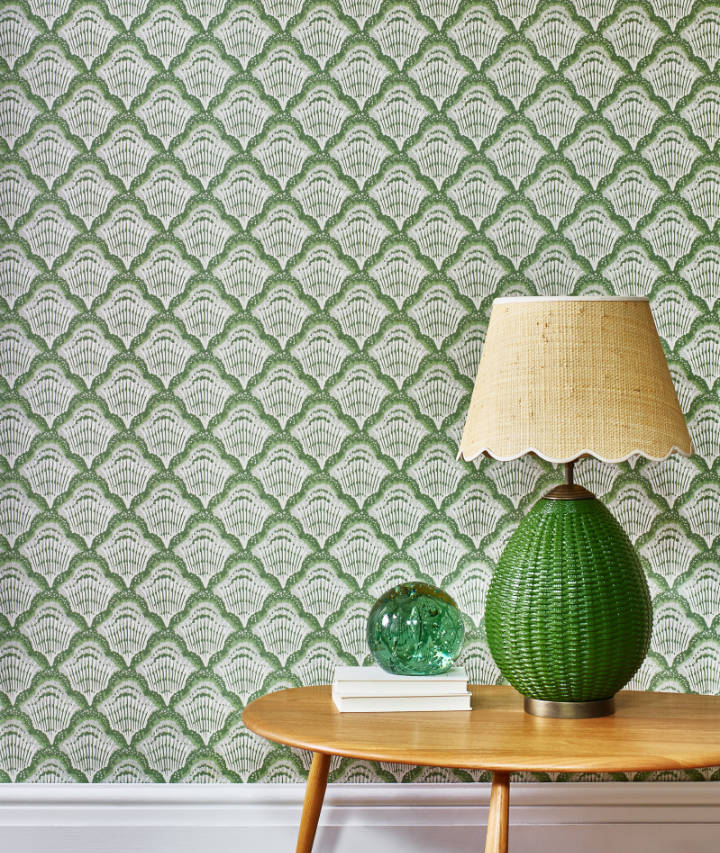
x=415, y=629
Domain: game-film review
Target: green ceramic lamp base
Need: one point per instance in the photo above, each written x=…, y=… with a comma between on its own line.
x=568, y=614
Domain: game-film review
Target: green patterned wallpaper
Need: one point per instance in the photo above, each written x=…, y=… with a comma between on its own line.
x=247, y=255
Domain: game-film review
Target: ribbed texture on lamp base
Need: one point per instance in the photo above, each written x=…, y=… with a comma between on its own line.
x=568, y=615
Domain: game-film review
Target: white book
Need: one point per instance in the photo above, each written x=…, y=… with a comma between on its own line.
x=371, y=704
x=394, y=688
x=377, y=675
x=372, y=681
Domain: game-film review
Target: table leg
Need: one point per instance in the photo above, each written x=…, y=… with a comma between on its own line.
x=498, y=816
x=314, y=793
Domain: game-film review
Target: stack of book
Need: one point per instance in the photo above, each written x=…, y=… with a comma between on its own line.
x=370, y=688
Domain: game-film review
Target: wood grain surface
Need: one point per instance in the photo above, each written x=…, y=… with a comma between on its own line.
x=649, y=731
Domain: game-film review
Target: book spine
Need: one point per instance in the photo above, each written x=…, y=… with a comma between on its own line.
x=432, y=703
x=395, y=690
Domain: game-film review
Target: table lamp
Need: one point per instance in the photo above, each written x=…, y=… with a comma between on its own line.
x=568, y=613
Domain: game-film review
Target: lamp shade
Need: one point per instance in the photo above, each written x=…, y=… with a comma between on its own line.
x=564, y=377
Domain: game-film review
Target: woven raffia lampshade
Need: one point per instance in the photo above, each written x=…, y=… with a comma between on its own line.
x=568, y=376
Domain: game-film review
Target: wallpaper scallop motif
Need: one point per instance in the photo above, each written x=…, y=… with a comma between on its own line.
x=247, y=255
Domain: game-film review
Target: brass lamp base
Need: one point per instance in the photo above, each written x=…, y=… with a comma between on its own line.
x=570, y=710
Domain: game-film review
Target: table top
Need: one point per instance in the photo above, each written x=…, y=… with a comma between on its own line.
x=649, y=731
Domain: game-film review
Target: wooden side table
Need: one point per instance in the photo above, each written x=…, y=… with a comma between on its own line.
x=649, y=731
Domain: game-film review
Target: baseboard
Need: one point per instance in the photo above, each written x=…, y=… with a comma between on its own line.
x=656, y=816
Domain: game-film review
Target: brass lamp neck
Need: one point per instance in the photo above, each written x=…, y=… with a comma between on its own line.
x=569, y=491
x=569, y=472
x=564, y=492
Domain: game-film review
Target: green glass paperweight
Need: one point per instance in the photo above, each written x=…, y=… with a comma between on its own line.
x=415, y=629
